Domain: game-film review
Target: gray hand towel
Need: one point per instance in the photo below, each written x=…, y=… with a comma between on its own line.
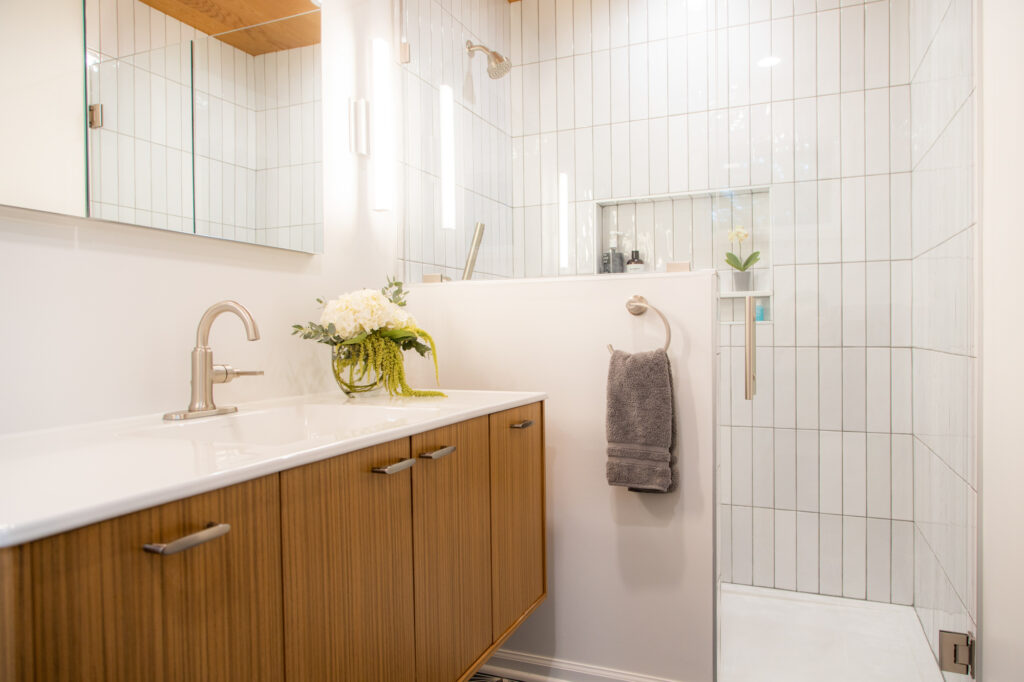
x=640, y=422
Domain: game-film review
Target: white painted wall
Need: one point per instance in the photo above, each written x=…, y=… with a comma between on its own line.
x=42, y=133
x=1001, y=467
x=631, y=582
x=99, y=318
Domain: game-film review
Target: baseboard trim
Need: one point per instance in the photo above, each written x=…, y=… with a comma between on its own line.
x=533, y=668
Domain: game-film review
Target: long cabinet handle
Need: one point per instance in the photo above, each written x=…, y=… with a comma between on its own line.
x=400, y=465
x=749, y=351
x=438, y=454
x=211, y=532
x=525, y=424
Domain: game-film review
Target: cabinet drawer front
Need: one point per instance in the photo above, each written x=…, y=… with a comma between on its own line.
x=452, y=549
x=517, y=513
x=103, y=608
x=348, y=568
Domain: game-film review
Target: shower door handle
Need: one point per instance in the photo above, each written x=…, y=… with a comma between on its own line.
x=749, y=351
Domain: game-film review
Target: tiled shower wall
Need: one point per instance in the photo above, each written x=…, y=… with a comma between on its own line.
x=944, y=349
x=437, y=32
x=256, y=123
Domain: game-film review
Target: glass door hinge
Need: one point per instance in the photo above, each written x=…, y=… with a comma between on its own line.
x=956, y=652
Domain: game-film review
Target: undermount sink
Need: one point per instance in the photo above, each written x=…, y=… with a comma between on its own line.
x=286, y=424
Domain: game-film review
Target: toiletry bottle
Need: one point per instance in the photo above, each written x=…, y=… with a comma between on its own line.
x=635, y=264
x=618, y=260
x=759, y=312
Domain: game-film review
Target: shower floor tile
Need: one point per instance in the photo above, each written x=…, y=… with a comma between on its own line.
x=773, y=635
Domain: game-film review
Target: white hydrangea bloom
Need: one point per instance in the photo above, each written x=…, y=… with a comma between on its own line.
x=362, y=311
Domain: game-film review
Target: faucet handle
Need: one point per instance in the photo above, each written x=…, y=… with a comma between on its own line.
x=223, y=374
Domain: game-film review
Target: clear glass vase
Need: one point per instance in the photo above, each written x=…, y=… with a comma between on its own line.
x=348, y=378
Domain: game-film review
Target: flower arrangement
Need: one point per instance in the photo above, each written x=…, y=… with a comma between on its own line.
x=737, y=236
x=368, y=331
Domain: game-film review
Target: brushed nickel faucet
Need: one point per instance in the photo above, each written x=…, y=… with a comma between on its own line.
x=204, y=373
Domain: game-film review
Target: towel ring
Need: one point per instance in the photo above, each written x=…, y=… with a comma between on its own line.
x=638, y=305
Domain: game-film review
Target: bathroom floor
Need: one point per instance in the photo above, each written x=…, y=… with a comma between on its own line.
x=772, y=635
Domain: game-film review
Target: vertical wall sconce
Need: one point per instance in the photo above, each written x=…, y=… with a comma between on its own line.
x=383, y=132
x=446, y=110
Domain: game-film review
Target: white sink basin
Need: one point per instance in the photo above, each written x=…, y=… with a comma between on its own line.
x=289, y=424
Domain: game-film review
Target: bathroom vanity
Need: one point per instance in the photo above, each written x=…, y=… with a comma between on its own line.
x=304, y=539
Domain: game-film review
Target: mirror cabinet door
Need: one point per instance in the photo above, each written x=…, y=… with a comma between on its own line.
x=42, y=129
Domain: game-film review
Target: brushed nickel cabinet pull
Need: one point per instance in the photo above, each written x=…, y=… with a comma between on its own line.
x=438, y=454
x=211, y=532
x=525, y=424
x=400, y=465
x=750, y=351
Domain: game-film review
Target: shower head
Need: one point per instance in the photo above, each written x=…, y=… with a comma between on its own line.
x=497, y=65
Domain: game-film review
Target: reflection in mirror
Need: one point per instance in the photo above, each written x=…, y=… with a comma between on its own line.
x=206, y=120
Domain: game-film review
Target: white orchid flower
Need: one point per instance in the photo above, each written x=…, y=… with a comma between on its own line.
x=738, y=235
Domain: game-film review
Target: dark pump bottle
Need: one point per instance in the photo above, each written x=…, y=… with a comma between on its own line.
x=635, y=263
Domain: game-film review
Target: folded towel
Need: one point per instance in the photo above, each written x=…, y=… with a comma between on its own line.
x=640, y=422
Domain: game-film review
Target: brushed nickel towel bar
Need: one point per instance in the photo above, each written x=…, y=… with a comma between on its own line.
x=638, y=305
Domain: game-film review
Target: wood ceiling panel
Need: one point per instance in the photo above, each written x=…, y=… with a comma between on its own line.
x=213, y=17
x=281, y=35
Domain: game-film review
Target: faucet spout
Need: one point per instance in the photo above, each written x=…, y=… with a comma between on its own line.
x=204, y=373
x=252, y=332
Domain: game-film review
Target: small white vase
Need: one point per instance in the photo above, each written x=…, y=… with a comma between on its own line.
x=742, y=281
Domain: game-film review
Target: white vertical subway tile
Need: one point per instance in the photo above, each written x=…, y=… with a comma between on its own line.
x=828, y=52
x=764, y=547
x=785, y=549
x=806, y=286
x=742, y=545
x=854, y=557
x=698, y=150
x=878, y=389
x=805, y=139
x=565, y=100
x=831, y=472
x=879, y=472
x=854, y=473
x=739, y=147
x=697, y=75
x=783, y=227
x=899, y=42
x=879, y=560
x=620, y=137
x=877, y=213
x=564, y=27
x=599, y=24
x=637, y=21
x=547, y=30
x=785, y=388
x=601, y=88
x=830, y=377
x=739, y=65
x=658, y=156
x=830, y=304
x=851, y=41
x=807, y=470
x=852, y=133
x=639, y=82
x=877, y=303
x=829, y=221
x=762, y=467
x=854, y=389
x=760, y=144
x=760, y=61
x=620, y=85
x=853, y=218
x=782, y=142
x=676, y=73
x=900, y=215
x=548, y=85
x=784, y=468
x=805, y=57
x=678, y=158
x=876, y=127
x=902, y=477
x=902, y=559
x=828, y=137
x=807, y=551
x=657, y=74
x=830, y=558
x=902, y=417
x=854, y=327
x=876, y=45
x=581, y=16
x=639, y=161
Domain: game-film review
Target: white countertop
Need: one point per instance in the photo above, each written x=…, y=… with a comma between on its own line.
x=56, y=480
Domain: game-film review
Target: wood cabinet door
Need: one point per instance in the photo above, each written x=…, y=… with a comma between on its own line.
x=104, y=609
x=517, y=514
x=452, y=549
x=347, y=541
